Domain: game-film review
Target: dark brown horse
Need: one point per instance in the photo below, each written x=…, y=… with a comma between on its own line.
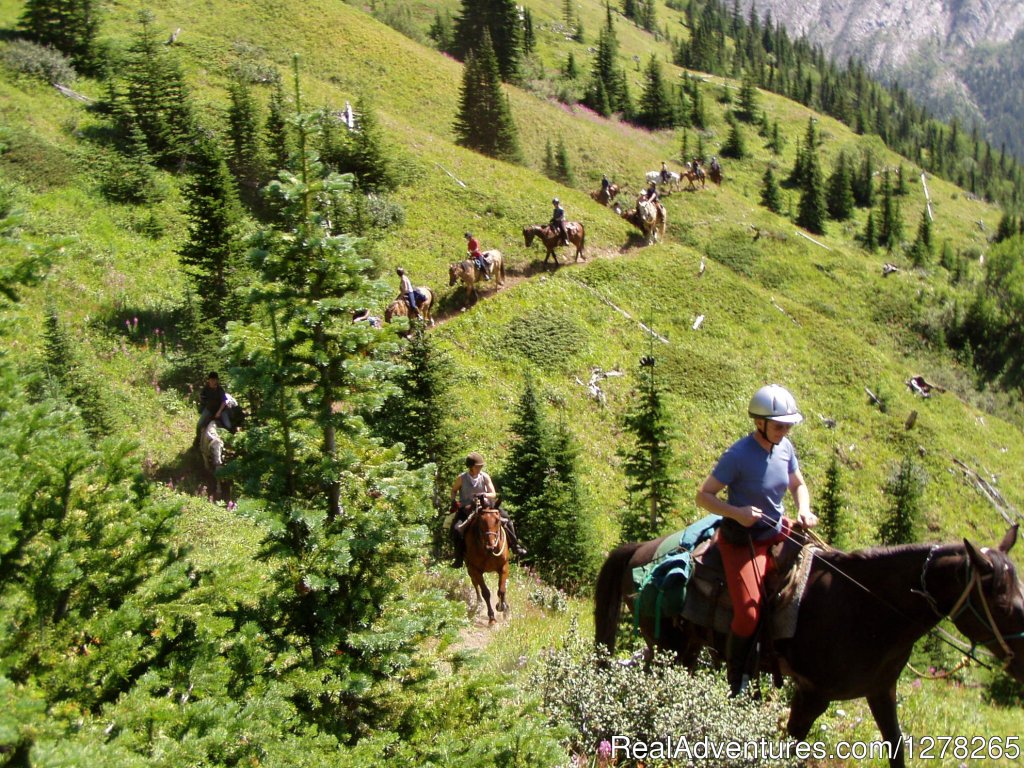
x=470, y=275
x=715, y=174
x=859, y=618
x=400, y=307
x=605, y=196
x=551, y=239
x=487, y=552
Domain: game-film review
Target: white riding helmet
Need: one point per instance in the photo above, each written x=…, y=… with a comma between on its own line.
x=775, y=403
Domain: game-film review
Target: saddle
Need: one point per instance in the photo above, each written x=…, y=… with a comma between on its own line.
x=707, y=601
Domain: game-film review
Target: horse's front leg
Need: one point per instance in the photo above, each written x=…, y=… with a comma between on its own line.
x=487, y=599
x=883, y=707
x=807, y=707
x=502, y=581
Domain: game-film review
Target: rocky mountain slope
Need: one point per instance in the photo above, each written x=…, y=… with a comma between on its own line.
x=934, y=47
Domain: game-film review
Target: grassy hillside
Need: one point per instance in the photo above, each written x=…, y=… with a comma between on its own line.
x=819, y=319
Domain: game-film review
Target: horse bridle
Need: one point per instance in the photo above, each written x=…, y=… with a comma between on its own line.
x=502, y=540
x=973, y=579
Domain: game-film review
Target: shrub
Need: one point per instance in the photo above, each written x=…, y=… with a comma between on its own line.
x=39, y=61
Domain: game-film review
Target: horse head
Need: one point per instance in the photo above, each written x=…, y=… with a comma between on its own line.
x=488, y=528
x=528, y=234
x=993, y=598
x=453, y=273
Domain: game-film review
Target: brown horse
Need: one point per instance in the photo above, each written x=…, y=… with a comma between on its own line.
x=649, y=218
x=487, y=552
x=551, y=239
x=694, y=173
x=469, y=274
x=603, y=196
x=715, y=174
x=859, y=618
x=400, y=307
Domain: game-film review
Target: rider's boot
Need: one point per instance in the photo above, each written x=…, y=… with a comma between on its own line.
x=459, y=546
x=513, y=539
x=737, y=662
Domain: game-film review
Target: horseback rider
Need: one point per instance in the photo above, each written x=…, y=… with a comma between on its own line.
x=472, y=485
x=558, y=221
x=698, y=171
x=715, y=167
x=757, y=470
x=213, y=402
x=406, y=290
x=605, y=184
x=473, y=253
x=651, y=193
x=665, y=173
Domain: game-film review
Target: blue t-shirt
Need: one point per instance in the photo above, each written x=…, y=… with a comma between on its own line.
x=756, y=478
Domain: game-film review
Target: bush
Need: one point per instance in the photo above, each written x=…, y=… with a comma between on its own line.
x=597, y=700
x=39, y=61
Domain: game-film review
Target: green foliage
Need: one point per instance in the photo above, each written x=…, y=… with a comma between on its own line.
x=155, y=96
x=130, y=177
x=832, y=505
x=39, y=61
x=812, y=210
x=278, y=139
x=770, y=195
x=529, y=39
x=562, y=168
x=370, y=158
x=922, y=250
x=748, y=106
x=441, y=31
x=597, y=700
x=70, y=26
x=655, y=108
x=870, y=236
x=546, y=338
x=902, y=521
x=245, y=158
x=648, y=462
x=484, y=122
x=570, y=70
x=212, y=254
x=735, y=145
x=840, y=190
x=890, y=229
x=342, y=513
x=863, y=183
x=498, y=21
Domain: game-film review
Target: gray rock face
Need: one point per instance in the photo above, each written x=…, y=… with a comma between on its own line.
x=887, y=34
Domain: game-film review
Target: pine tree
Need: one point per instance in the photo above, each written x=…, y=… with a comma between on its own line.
x=840, y=190
x=276, y=131
x=441, y=31
x=775, y=144
x=550, y=170
x=69, y=378
x=70, y=26
x=922, y=250
x=655, y=108
x=529, y=40
x=343, y=513
x=648, y=18
x=833, y=503
x=522, y=480
x=603, y=94
x=484, y=122
x=770, y=196
x=648, y=461
x=213, y=252
x=901, y=181
x=370, y=158
x=157, y=96
x=697, y=114
x=905, y=486
x=864, y=183
x=246, y=156
x=684, y=149
x=748, y=99
x=563, y=170
x=570, y=70
x=498, y=20
x=870, y=237
x=812, y=209
x=734, y=146
x=891, y=227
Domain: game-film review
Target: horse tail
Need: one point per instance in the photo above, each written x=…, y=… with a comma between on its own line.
x=608, y=594
x=501, y=270
x=583, y=238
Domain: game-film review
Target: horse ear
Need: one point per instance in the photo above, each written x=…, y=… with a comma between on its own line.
x=1009, y=539
x=979, y=559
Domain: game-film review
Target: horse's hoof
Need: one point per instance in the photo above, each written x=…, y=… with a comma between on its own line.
x=491, y=621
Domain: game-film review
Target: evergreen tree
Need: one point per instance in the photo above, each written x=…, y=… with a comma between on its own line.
x=629, y=10
x=922, y=250
x=563, y=170
x=529, y=40
x=947, y=257
x=484, y=122
x=498, y=20
x=550, y=169
x=812, y=209
x=697, y=114
x=655, y=108
x=748, y=99
x=369, y=157
x=901, y=181
x=833, y=503
x=648, y=15
x=441, y=31
x=70, y=26
x=870, y=237
x=131, y=177
x=213, y=251
x=417, y=415
x=522, y=480
x=734, y=146
x=157, y=96
x=840, y=190
x=70, y=379
x=684, y=149
x=276, y=131
x=570, y=70
x=770, y=196
x=648, y=461
x=775, y=143
x=864, y=183
x=905, y=487
x=891, y=227
x=343, y=513
x=246, y=156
